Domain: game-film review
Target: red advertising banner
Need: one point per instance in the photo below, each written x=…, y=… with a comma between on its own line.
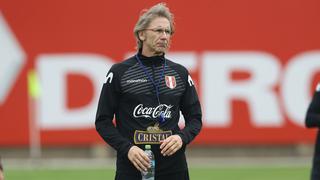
x=255, y=65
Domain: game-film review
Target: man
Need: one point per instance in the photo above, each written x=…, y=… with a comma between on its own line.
x=146, y=94
x=313, y=121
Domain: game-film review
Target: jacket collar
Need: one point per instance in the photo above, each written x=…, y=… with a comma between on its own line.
x=153, y=60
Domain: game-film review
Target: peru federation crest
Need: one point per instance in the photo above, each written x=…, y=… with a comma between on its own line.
x=171, y=82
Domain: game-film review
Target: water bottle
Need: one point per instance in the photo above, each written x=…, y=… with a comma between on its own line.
x=149, y=174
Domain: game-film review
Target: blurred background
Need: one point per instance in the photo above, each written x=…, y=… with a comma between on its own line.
x=255, y=65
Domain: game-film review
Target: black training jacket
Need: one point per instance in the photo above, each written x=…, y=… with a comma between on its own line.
x=313, y=120
x=313, y=113
x=129, y=94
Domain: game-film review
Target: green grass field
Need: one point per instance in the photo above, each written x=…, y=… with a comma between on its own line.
x=236, y=173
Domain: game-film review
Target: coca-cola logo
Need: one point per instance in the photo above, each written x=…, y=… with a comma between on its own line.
x=152, y=112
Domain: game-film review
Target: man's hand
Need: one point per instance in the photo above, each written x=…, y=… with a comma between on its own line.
x=171, y=145
x=138, y=158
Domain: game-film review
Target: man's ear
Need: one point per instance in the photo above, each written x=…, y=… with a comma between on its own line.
x=141, y=35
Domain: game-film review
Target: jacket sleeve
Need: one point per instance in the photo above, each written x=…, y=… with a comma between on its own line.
x=191, y=110
x=107, y=107
x=313, y=112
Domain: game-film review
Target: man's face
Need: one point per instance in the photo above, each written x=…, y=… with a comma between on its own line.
x=156, y=37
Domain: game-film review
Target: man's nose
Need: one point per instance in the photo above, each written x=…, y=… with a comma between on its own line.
x=164, y=35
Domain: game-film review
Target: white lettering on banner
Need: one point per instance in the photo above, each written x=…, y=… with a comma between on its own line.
x=296, y=84
x=219, y=90
x=53, y=70
x=152, y=112
x=12, y=59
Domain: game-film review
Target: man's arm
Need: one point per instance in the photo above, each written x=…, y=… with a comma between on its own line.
x=191, y=110
x=108, y=103
x=313, y=112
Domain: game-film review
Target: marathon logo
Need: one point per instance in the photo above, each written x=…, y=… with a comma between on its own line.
x=147, y=137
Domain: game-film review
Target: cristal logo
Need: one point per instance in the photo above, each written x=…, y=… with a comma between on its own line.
x=152, y=112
